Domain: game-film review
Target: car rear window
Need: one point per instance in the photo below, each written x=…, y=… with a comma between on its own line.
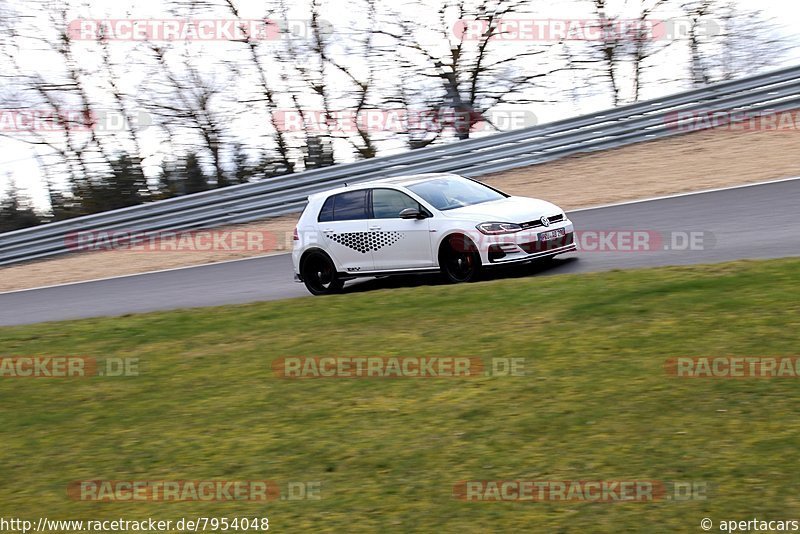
x=351, y=205
x=326, y=213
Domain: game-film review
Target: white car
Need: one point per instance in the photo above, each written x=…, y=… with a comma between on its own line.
x=421, y=223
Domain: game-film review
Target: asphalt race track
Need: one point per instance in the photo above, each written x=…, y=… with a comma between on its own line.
x=761, y=221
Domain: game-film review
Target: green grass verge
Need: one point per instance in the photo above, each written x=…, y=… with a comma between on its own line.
x=595, y=404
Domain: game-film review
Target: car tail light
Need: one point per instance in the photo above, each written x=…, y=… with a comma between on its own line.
x=295, y=235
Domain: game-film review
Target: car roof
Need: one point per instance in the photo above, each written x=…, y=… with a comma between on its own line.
x=394, y=180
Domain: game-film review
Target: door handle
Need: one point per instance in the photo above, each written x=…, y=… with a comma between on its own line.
x=373, y=228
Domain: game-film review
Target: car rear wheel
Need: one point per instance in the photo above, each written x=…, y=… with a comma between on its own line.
x=459, y=260
x=319, y=275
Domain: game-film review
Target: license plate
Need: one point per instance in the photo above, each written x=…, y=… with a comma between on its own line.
x=552, y=234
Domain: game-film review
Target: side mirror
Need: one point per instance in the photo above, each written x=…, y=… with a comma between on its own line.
x=411, y=213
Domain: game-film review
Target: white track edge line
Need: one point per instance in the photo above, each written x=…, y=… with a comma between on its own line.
x=686, y=194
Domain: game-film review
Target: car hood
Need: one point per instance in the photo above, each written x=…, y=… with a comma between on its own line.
x=511, y=209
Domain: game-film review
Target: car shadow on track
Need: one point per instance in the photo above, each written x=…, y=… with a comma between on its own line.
x=551, y=266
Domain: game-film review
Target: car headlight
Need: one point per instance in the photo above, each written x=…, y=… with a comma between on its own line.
x=491, y=228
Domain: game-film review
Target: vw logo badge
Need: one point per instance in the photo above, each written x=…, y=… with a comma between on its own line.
x=545, y=221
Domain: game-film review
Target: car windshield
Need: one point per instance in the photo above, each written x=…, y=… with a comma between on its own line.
x=450, y=193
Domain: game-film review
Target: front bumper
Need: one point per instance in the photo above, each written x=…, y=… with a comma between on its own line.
x=527, y=245
x=536, y=255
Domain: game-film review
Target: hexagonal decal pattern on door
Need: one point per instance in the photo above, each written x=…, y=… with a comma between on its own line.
x=365, y=242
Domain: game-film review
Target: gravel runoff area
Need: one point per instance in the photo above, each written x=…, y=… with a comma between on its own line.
x=685, y=163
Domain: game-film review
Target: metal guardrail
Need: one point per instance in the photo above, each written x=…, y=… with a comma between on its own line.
x=769, y=92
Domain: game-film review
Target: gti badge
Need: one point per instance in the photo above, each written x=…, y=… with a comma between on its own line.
x=545, y=221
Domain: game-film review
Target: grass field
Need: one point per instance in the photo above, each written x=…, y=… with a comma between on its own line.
x=595, y=403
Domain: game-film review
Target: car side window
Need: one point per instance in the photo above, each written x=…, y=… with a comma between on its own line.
x=388, y=203
x=350, y=206
x=326, y=213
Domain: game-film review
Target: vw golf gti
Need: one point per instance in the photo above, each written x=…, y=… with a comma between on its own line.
x=418, y=224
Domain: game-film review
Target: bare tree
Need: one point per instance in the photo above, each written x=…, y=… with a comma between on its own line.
x=267, y=97
x=471, y=73
x=645, y=42
x=188, y=98
x=338, y=75
x=623, y=45
x=697, y=11
x=62, y=147
x=745, y=41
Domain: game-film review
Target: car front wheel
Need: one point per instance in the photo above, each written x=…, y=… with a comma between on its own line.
x=459, y=260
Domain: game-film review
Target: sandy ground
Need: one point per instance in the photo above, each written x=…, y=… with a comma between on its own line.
x=689, y=162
